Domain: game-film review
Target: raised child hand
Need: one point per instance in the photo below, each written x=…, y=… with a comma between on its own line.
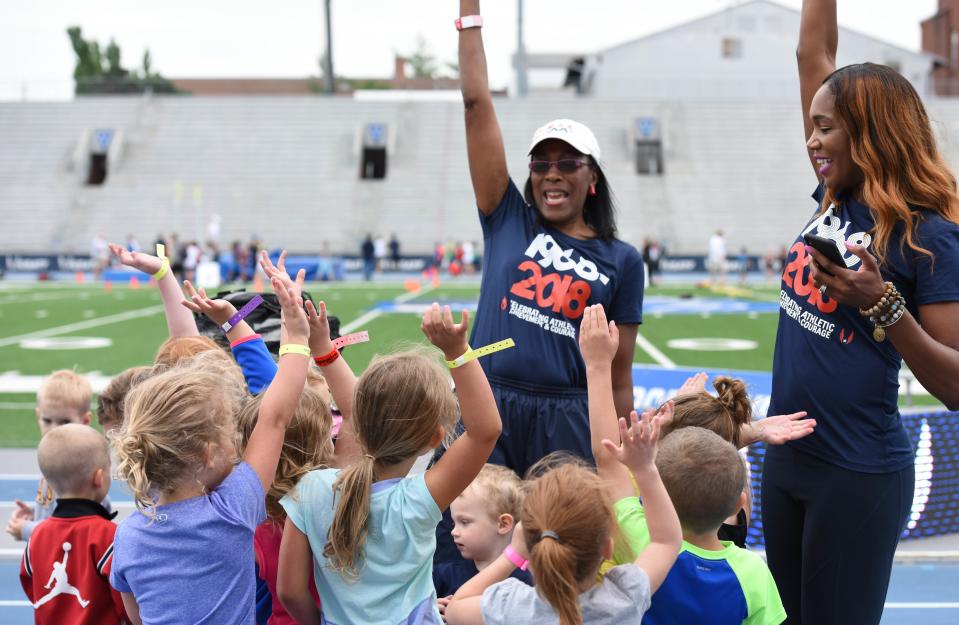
x=279, y=271
x=638, y=449
x=218, y=310
x=292, y=317
x=518, y=541
x=598, y=340
x=439, y=328
x=137, y=260
x=320, y=343
x=693, y=385
x=780, y=429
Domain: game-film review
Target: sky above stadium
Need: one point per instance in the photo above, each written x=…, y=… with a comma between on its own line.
x=243, y=38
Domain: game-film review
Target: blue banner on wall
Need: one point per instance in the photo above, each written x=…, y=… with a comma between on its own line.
x=934, y=435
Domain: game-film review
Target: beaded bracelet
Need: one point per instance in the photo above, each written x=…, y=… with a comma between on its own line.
x=887, y=311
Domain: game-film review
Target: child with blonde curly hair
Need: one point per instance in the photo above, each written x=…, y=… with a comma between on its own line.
x=177, y=452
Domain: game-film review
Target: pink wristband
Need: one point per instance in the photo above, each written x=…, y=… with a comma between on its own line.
x=511, y=555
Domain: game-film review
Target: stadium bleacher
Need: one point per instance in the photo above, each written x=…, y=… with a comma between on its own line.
x=287, y=169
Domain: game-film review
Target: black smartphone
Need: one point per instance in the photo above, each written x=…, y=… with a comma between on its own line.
x=826, y=247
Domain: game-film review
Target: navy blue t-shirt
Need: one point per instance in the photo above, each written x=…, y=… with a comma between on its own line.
x=449, y=576
x=826, y=361
x=536, y=283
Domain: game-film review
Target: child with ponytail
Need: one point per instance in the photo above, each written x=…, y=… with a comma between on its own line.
x=713, y=581
x=307, y=445
x=185, y=556
x=368, y=531
x=566, y=531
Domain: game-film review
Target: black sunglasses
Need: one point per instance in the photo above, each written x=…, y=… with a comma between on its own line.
x=566, y=165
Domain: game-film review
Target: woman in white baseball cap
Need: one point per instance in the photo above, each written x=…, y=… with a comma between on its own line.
x=550, y=251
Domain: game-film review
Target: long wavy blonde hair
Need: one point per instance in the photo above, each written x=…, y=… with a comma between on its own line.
x=306, y=444
x=399, y=404
x=169, y=422
x=892, y=142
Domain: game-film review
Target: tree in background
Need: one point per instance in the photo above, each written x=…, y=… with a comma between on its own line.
x=102, y=72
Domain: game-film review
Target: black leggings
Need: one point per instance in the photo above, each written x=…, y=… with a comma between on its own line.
x=831, y=535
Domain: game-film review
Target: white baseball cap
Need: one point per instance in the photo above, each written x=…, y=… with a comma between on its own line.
x=573, y=133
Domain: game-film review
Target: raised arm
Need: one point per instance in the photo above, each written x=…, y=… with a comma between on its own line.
x=462, y=462
x=599, y=343
x=341, y=380
x=179, y=322
x=484, y=140
x=638, y=452
x=815, y=54
x=465, y=606
x=283, y=395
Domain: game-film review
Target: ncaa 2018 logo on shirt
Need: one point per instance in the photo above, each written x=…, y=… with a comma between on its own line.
x=553, y=290
x=831, y=227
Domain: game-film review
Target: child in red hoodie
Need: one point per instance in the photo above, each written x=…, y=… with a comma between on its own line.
x=66, y=565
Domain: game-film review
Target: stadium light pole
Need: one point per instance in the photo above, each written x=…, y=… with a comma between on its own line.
x=521, y=84
x=328, y=78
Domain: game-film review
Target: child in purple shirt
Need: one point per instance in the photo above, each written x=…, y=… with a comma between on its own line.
x=186, y=556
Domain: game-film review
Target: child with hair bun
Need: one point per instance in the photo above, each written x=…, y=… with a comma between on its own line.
x=713, y=581
x=566, y=532
x=368, y=531
x=730, y=415
x=198, y=506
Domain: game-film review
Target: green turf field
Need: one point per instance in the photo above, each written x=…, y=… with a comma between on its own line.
x=132, y=320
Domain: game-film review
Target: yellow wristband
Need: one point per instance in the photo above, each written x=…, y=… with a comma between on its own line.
x=293, y=348
x=479, y=352
x=163, y=270
x=165, y=265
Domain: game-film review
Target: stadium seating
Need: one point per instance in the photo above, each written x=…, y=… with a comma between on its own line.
x=287, y=169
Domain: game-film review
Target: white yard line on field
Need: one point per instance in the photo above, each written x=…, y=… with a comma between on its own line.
x=43, y=297
x=369, y=316
x=654, y=352
x=149, y=311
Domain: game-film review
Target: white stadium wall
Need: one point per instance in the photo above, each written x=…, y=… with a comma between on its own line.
x=745, y=52
x=287, y=169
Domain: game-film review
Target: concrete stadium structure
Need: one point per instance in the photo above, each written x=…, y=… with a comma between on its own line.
x=287, y=169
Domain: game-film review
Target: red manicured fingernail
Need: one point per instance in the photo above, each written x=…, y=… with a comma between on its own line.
x=808, y=249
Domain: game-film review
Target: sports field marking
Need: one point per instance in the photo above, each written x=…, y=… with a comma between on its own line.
x=39, y=297
x=654, y=352
x=67, y=342
x=369, y=316
x=902, y=605
x=149, y=311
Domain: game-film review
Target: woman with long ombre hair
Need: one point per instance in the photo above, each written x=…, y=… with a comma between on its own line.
x=835, y=503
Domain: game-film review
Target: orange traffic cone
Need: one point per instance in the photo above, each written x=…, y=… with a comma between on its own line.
x=134, y=282
x=78, y=277
x=108, y=286
x=412, y=285
x=257, y=282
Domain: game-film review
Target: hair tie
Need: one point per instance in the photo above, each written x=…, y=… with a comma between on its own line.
x=370, y=457
x=549, y=534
